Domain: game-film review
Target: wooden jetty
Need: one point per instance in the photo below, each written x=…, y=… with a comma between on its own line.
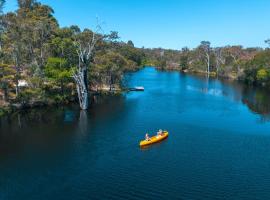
x=139, y=89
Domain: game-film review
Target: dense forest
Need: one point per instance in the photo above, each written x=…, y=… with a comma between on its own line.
x=43, y=63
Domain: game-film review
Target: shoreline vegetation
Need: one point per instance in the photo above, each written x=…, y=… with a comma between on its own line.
x=43, y=64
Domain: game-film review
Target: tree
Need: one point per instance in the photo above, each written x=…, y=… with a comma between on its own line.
x=131, y=53
x=26, y=4
x=44, y=27
x=75, y=29
x=218, y=52
x=112, y=66
x=130, y=43
x=15, y=47
x=205, y=48
x=36, y=26
x=262, y=75
x=27, y=34
x=267, y=42
x=61, y=45
x=2, y=2
x=85, y=45
x=58, y=71
x=7, y=75
x=184, y=58
x=257, y=69
x=235, y=52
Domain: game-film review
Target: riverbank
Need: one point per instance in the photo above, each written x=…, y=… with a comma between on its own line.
x=192, y=72
x=49, y=101
x=9, y=108
x=230, y=76
x=46, y=97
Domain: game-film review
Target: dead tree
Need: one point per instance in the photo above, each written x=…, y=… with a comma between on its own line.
x=236, y=52
x=219, y=59
x=85, y=45
x=206, y=50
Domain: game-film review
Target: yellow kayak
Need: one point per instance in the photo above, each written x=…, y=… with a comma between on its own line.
x=155, y=139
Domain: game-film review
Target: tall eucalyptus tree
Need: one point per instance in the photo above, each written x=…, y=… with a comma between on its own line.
x=2, y=2
x=220, y=59
x=85, y=43
x=26, y=4
x=205, y=48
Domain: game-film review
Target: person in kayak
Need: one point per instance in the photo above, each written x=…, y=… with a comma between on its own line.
x=147, y=138
x=160, y=132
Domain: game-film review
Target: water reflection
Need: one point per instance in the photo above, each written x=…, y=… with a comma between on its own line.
x=42, y=129
x=256, y=99
x=206, y=90
x=83, y=121
x=35, y=129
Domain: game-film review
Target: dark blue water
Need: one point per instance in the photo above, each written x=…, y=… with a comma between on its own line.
x=218, y=148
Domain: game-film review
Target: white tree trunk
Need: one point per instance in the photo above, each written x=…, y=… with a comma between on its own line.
x=85, y=49
x=237, y=65
x=208, y=63
x=82, y=91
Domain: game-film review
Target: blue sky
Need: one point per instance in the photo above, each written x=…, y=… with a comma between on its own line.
x=170, y=23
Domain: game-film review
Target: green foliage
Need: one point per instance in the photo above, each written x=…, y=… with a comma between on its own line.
x=184, y=62
x=262, y=75
x=59, y=73
x=110, y=67
x=31, y=95
x=130, y=43
x=58, y=70
x=132, y=53
x=62, y=45
x=26, y=4
x=7, y=77
x=2, y=2
x=7, y=73
x=257, y=69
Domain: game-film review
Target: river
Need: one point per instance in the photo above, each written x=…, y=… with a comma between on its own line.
x=218, y=147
